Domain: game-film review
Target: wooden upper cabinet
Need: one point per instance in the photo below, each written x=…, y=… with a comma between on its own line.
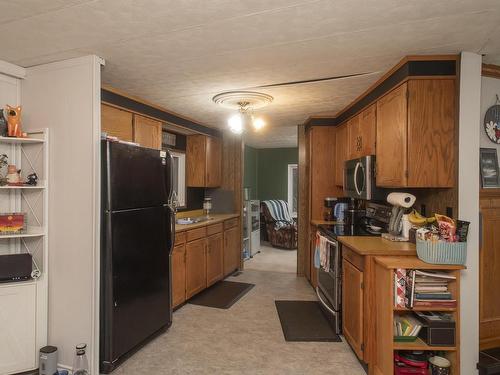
x=147, y=132
x=117, y=123
x=215, y=258
x=362, y=133
x=341, y=153
x=352, y=307
x=392, y=119
x=203, y=161
x=431, y=133
x=416, y=135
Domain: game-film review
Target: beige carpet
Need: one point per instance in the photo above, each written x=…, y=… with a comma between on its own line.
x=245, y=339
x=271, y=259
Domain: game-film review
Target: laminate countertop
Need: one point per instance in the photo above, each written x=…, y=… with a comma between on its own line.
x=216, y=218
x=368, y=245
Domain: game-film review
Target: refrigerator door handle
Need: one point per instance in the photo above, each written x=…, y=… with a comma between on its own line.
x=172, y=227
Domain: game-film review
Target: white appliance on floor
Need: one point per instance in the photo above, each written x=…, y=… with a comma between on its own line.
x=252, y=224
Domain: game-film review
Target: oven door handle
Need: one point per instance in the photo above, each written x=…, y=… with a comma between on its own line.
x=333, y=312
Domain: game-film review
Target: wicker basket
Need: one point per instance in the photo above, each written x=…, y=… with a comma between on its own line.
x=442, y=252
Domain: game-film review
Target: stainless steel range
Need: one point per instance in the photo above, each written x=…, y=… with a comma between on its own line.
x=329, y=288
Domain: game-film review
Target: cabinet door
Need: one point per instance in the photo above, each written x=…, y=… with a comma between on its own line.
x=215, y=260
x=367, y=130
x=489, y=279
x=352, y=306
x=431, y=133
x=196, y=160
x=196, y=267
x=232, y=250
x=147, y=132
x=178, y=275
x=17, y=327
x=392, y=120
x=341, y=153
x=354, y=138
x=117, y=122
x=213, y=161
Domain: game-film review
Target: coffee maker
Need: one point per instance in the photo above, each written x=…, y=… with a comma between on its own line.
x=334, y=208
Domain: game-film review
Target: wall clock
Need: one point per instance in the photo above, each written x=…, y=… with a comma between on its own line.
x=492, y=122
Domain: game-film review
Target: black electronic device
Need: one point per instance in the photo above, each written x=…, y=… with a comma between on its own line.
x=15, y=267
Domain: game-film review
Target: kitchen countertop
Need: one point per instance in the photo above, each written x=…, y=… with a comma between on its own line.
x=322, y=222
x=217, y=218
x=368, y=245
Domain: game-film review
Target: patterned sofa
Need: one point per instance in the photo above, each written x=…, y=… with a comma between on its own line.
x=280, y=234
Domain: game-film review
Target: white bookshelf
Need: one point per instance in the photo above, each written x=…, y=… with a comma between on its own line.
x=29, y=299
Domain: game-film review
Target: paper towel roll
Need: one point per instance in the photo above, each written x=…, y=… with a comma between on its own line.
x=405, y=200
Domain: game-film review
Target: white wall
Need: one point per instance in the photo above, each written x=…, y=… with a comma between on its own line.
x=490, y=87
x=468, y=200
x=65, y=97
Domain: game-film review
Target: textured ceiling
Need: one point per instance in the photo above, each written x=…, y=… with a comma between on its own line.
x=180, y=53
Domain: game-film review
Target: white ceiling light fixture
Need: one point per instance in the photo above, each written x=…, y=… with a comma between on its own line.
x=245, y=102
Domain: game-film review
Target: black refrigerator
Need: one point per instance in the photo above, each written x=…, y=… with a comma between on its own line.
x=137, y=237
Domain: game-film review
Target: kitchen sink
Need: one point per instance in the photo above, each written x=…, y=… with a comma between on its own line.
x=193, y=220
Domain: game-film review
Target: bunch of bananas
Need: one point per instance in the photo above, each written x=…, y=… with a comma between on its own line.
x=419, y=220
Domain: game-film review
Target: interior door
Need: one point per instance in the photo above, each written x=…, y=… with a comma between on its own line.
x=392, y=120
x=352, y=307
x=141, y=302
x=489, y=276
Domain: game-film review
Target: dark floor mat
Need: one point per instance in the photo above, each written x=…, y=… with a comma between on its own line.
x=221, y=295
x=304, y=321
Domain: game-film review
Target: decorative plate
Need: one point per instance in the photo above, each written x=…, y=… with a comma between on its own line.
x=492, y=123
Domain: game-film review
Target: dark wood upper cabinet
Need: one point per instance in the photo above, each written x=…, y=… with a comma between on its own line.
x=203, y=161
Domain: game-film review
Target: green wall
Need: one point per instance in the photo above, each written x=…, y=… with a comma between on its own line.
x=250, y=170
x=266, y=171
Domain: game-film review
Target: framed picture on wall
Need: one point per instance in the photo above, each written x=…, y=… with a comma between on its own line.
x=490, y=176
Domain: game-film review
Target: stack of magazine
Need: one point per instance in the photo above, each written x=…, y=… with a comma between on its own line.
x=416, y=288
x=407, y=326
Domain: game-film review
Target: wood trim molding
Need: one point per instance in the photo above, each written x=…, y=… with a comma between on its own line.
x=410, y=67
x=490, y=70
x=119, y=99
x=12, y=70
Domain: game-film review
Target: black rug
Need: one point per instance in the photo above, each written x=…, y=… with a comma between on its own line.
x=304, y=321
x=221, y=295
x=489, y=362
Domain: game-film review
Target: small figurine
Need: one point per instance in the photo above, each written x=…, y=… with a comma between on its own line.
x=13, y=175
x=14, y=121
x=32, y=179
x=3, y=124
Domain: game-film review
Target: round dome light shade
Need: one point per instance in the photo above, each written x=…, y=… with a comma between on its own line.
x=258, y=123
x=235, y=123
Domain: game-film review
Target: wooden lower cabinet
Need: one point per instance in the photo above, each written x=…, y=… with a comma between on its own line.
x=352, y=307
x=179, y=275
x=196, y=267
x=215, y=258
x=232, y=250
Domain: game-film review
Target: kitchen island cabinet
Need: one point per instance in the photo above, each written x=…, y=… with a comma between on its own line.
x=358, y=283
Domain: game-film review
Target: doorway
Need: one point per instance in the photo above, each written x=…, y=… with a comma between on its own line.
x=270, y=181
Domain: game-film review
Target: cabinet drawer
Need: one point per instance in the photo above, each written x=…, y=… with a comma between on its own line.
x=194, y=234
x=231, y=223
x=354, y=258
x=215, y=228
x=180, y=238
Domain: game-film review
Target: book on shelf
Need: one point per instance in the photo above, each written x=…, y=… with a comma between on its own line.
x=406, y=325
x=416, y=288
